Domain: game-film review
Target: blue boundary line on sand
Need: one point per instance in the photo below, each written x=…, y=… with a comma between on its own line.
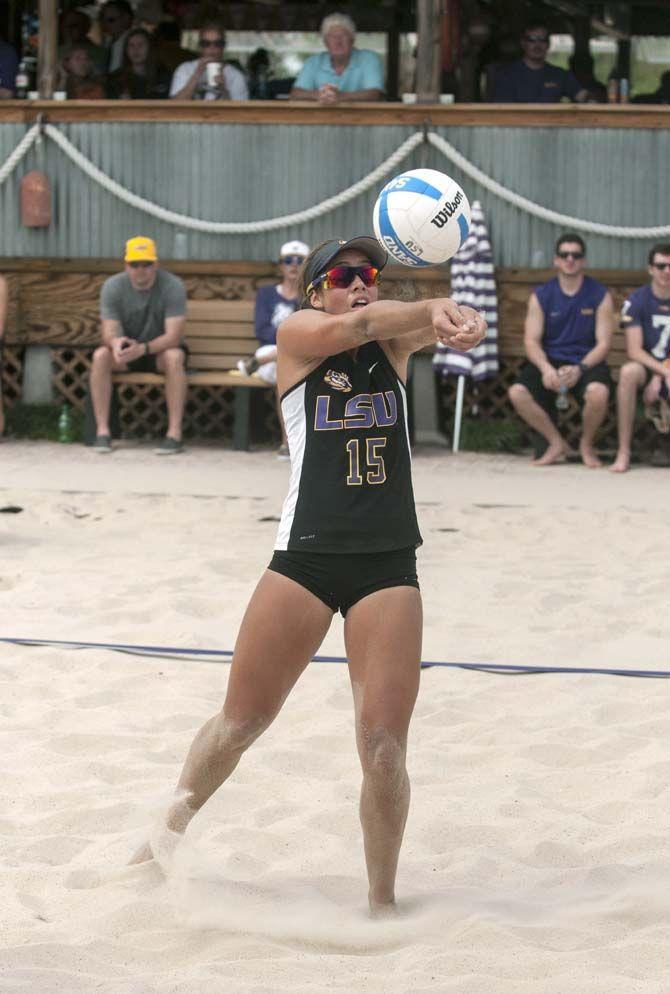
x=213, y=655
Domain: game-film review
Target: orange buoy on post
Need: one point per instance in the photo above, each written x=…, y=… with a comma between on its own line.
x=35, y=200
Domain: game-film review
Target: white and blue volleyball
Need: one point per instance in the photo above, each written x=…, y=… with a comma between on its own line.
x=422, y=217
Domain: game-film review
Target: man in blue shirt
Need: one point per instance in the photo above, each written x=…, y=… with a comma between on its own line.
x=533, y=80
x=645, y=319
x=342, y=73
x=9, y=63
x=567, y=335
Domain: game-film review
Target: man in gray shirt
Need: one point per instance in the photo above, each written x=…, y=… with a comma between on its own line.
x=142, y=312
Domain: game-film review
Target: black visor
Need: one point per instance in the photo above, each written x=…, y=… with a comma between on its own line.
x=322, y=259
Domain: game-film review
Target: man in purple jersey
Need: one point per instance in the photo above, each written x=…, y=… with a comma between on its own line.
x=645, y=319
x=567, y=336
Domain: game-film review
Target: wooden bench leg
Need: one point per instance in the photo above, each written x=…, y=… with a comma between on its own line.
x=242, y=420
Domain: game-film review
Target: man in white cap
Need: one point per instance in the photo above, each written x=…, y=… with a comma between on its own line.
x=274, y=303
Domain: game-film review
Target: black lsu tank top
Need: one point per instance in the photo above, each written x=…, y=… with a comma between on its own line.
x=351, y=482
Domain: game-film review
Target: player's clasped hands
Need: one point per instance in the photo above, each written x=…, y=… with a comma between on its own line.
x=458, y=327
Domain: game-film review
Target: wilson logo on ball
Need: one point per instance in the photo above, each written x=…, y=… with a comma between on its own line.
x=447, y=211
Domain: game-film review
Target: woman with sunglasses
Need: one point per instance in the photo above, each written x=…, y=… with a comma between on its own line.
x=346, y=541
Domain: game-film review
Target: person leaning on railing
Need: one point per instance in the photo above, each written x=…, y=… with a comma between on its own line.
x=531, y=79
x=190, y=82
x=343, y=72
x=116, y=20
x=141, y=76
x=75, y=25
x=9, y=63
x=78, y=77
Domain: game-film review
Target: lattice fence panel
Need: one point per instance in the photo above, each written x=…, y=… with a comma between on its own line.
x=209, y=413
x=210, y=410
x=12, y=374
x=488, y=399
x=271, y=427
x=70, y=372
x=142, y=410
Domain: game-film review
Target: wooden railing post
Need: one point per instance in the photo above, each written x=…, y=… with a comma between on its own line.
x=428, y=54
x=47, y=48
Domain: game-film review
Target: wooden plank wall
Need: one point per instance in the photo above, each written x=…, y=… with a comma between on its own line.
x=56, y=302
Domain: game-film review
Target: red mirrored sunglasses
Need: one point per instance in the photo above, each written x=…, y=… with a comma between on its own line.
x=341, y=277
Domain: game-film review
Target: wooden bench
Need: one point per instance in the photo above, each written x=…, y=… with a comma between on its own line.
x=218, y=333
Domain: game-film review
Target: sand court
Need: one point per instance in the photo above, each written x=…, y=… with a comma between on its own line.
x=536, y=856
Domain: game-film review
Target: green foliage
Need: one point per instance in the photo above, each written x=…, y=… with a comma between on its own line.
x=40, y=421
x=491, y=435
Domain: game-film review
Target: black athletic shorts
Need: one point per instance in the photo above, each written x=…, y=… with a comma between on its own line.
x=531, y=378
x=342, y=579
x=147, y=363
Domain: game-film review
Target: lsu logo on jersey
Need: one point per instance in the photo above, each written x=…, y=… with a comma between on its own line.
x=587, y=311
x=338, y=381
x=364, y=410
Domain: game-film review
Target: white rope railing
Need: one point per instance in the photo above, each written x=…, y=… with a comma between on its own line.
x=12, y=161
x=331, y=203
x=565, y=220
x=234, y=227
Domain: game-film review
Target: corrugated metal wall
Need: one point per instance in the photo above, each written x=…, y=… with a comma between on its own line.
x=254, y=172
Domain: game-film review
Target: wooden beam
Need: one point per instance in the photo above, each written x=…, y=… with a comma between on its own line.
x=47, y=48
x=428, y=53
x=276, y=112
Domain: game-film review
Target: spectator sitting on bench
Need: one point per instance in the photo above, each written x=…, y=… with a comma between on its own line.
x=567, y=336
x=142, y=313
x=274, y=303
x=645, y=318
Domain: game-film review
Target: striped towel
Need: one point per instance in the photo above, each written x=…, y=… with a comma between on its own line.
x=473, y=283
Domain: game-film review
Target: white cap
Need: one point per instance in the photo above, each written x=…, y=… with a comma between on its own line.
x=294, y=248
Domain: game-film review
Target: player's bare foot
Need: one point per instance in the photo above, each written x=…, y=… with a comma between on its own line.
x=555, y=453
x=621, y=464
x=381, y=910
x=588, y=457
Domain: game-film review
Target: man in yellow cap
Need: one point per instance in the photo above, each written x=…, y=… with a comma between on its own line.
x=142, y=314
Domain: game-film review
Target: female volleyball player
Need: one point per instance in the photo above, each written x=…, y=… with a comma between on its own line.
x=346, y=540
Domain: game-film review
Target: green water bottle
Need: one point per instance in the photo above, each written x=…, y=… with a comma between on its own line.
x=65, y=424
